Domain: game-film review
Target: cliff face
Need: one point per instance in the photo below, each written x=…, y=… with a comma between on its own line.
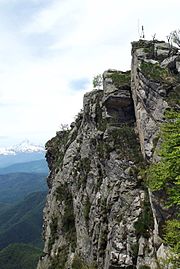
x=99, y=214
x=155, y=87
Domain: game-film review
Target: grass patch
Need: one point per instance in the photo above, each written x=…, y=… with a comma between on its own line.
x=147, y=45
x=144, y=225
x=155, y=72
x=120, y=78
x=125, y=142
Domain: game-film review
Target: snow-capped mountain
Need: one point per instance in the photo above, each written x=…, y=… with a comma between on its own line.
x=7, y=151
x=27, y=146
x=24, y=147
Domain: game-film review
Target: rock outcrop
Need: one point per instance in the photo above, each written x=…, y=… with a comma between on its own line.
x=154, y=81
x=99, y=213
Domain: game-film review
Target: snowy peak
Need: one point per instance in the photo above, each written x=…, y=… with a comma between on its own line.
x=7, y=151
x=27, y=146
x=24, y=147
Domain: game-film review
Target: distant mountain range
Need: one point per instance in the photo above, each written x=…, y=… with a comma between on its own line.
x=14, y=187
x=20, y=232
x=23, y=190
x=22, y=223
x=19, y=256
x=24, y=147
x=39, y=166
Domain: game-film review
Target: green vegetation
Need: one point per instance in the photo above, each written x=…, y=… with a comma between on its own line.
x=53, y=228
x=60, y=259
x=84, y=168
x=21, y=215
x=172, y=234
x=56, y=148
x=19, y=256
x=173, y=98
x=23, y=184
x=100, y=122
x=121, y=78
x=97, y=81
x=148, y=45
x=86, y=164
x=144, y=224
x=103, y=238
x=164, y=175
x=122, y=139
x=78, y=263
x=149, y=50
x=135, y=250
x=61, y=191
x=22, y=223
x=155, y=72
x=68, y=220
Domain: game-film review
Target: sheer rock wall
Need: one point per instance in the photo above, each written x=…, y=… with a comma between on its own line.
x=99, y=214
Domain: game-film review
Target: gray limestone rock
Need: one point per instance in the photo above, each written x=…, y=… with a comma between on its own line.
x=98, y=212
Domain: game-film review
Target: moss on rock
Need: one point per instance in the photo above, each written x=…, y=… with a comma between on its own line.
x=155, y=72
x=120, y=78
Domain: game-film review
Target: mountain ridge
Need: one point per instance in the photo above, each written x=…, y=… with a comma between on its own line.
x=23, y=184
x=24, y=147
x=22, y=222
x=100, y=212
x=38, y=166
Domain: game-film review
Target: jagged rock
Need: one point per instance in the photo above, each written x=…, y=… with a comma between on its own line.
x=98, y=213
x=149, y=91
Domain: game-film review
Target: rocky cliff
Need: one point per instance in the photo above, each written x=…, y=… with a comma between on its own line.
x=99, y=212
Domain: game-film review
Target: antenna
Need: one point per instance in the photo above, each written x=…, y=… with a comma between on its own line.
x=142, y=32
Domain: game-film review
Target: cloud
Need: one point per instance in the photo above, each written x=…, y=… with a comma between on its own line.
x=3, y=137
x=78, y=84
x=51, y=49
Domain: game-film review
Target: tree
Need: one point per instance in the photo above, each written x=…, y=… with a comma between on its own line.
x=64, y=127
x=175, y=37
x=97, y=81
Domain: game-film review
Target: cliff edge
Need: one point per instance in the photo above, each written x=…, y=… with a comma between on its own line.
x=99, y=212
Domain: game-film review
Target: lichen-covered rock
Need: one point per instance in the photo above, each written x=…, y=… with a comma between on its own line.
x=96, y=206
x=99, y=213
x=154, y=76
x=155, y=85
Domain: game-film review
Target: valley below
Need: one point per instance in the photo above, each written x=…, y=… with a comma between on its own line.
x=23, y=191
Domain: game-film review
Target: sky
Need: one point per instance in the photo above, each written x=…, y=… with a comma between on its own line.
x=50, y=50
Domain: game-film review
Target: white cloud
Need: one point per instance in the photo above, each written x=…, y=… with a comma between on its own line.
x=64, y=41
x=57, y=14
